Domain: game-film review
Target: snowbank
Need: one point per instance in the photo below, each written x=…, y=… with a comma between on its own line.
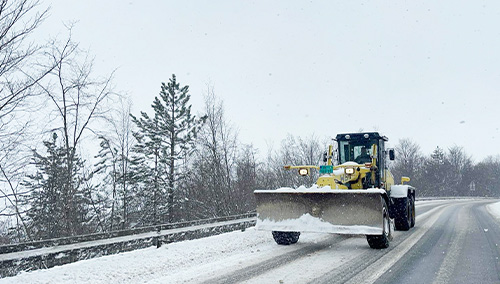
x=494, y=209
x=324, y=189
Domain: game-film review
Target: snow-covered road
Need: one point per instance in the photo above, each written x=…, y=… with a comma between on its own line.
x=253, y=257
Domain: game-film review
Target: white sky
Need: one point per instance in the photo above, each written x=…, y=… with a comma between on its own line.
x=418, y=69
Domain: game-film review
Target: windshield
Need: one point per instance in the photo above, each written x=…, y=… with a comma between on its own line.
x=356, y=151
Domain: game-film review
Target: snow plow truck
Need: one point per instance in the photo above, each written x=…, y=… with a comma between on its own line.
x=354, y=195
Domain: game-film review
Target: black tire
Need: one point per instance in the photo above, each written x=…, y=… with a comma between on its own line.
x=286, y=238
x=412, y=212
x=402, y=220
x=382, y=241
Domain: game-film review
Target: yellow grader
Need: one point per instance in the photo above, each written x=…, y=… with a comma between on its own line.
x=356, y=196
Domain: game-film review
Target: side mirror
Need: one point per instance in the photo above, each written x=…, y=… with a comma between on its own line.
x=391, y=154
x=404, y=179
x=325, y=157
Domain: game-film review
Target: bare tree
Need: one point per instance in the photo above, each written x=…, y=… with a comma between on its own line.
x=486, y=177
x=21, y=70
x=461, y=171
x=123, y=130
x=409, y=160
x=246, y=178
x=116, y=147
x=295, y=151
x=78, y=98
x=11, y=174
x=215, y=160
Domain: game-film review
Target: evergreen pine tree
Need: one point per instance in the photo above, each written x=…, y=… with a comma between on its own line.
x=162, y=143
x=56, y=210
x=437, y=172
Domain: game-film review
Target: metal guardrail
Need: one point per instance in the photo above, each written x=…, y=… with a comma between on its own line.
x=454, y=197
x=119, y=233
x=50, y=253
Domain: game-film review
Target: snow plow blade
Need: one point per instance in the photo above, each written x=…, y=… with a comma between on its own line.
x=329, y=211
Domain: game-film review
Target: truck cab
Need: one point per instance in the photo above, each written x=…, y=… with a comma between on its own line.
x=361, y=163
x=351, y=148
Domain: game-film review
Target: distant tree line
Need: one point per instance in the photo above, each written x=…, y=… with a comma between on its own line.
x=160, y=165
x=450, y=172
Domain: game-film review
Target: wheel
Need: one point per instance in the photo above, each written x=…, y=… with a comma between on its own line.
x=382, y=241
x=404, y=214
x=286, y=238
x=412, y=212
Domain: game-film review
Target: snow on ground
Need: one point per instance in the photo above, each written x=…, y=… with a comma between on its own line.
x=187, y=261
x=494, y=209
x=196, y=261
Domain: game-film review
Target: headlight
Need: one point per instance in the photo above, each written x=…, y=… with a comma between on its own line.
x=349, y=171
x=303, y=172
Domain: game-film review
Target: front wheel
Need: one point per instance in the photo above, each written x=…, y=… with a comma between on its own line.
x=286, y=238
x=382, y=241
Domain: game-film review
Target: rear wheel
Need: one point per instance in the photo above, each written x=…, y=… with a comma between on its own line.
x=382, y=241
x=403, y=218
x=286, y=238
x=412, y=212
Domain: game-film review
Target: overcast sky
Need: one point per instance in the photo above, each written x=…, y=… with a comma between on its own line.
x=425, y=70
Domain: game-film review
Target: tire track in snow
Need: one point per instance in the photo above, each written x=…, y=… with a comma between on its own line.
x=373, y=263
x=452, y=257
x=433, y=260
x=304, y=269
x=480, y=254
x=252, y=271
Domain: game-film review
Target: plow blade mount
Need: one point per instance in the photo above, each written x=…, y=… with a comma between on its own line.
x=329, y=211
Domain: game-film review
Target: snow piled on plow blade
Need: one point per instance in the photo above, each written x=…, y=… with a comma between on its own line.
x=308, y=223
x=320, y=210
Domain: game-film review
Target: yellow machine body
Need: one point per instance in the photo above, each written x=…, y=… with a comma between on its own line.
x=348, y=198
